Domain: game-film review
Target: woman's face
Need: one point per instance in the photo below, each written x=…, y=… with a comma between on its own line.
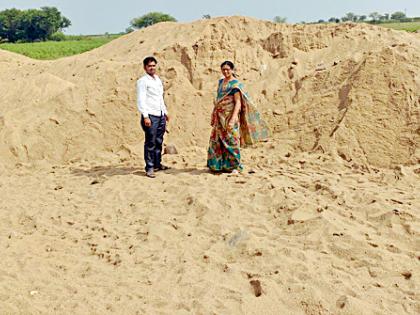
x=227, y=71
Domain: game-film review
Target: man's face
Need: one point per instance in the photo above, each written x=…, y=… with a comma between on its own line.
x=150, y=68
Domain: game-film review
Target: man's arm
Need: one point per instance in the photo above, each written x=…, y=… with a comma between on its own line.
x=141, y=98
x=141, y=102
x=163, y=105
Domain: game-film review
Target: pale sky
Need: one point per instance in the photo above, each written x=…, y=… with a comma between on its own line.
x=100, y=16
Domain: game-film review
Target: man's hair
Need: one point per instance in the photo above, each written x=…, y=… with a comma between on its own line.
x=148, y=60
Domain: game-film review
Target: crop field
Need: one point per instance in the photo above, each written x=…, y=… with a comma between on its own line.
x=408, y=26
x=57, y=49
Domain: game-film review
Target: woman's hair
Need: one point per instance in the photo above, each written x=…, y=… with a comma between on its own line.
x=230, y=64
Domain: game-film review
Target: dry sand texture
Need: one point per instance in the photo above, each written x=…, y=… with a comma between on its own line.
x=327, y=222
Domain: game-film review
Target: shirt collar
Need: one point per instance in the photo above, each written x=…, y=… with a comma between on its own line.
x=151, y=77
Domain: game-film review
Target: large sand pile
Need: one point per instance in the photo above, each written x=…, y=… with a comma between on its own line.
x=349, y=90
x=327, y=221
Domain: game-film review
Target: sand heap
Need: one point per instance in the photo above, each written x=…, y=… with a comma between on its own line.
x=348, y=90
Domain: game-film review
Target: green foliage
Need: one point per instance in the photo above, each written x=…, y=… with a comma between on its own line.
x=31, y=25
x=206, y=17
x=48, y=50
x=279, y=19
x=406, y=20
x=58, y=37
x=11, y=26
x=351, y=17
x=374, y=16
x=398, y=15
x=150, y=19
x=384, y=17
x=409, y=27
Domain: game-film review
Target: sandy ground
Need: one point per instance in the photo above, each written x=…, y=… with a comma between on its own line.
x=324, y=220
x=321, y=237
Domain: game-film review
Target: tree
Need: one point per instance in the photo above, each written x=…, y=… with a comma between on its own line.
x=129, y=30
x=349, y=17
x=374, y=16
x=398, y=15
x=150, y=19
x=31, y=25
x=279, y=19
x=362, y=18
x=41, y=24
x=321, y=21
x=11, y=27
x=334, y=20
x=206, y=17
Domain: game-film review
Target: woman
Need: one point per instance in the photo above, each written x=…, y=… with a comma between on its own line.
x=235, y=122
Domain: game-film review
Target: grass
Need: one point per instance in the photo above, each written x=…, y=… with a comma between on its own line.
x=49, y=50
x=407, y=26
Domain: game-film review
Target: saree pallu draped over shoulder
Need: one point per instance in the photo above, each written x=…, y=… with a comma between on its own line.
x=225, y=142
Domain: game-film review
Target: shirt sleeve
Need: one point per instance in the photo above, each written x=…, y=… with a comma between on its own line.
x=162, y=100
x=141, y=98
x=165, y=110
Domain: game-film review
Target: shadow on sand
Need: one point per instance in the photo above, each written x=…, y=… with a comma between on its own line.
x=120, y=170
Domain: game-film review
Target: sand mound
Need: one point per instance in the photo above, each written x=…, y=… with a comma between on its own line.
x=347, y=90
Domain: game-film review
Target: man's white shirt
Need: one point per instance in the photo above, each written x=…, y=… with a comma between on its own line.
x=150, y=96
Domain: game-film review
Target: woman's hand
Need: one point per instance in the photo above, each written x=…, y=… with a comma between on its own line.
x=233, y=121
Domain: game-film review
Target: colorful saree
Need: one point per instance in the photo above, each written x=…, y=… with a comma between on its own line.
x=224, y=146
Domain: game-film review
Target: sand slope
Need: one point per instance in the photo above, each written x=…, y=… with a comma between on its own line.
x=326, y=215
x=350, y=90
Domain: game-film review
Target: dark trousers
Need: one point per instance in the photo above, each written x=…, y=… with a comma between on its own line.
x=153, y=141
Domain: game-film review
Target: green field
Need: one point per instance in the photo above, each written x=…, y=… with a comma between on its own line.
x=408, y=26
x=53, y=50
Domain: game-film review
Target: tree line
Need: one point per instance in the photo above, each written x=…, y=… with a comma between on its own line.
x=31, y=25
x=47, y=23
x=373, y=18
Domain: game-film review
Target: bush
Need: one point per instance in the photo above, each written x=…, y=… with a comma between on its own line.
x=58, y=37
x=404, y=20
x=279, y=19
x=150, y=19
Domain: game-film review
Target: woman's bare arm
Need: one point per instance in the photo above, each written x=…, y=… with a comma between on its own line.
x=238, y=102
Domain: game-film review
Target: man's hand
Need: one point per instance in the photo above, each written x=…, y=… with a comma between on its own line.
x=167, y=118
x=147, y=122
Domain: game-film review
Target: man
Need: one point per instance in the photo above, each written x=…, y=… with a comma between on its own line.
x=154, y=116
